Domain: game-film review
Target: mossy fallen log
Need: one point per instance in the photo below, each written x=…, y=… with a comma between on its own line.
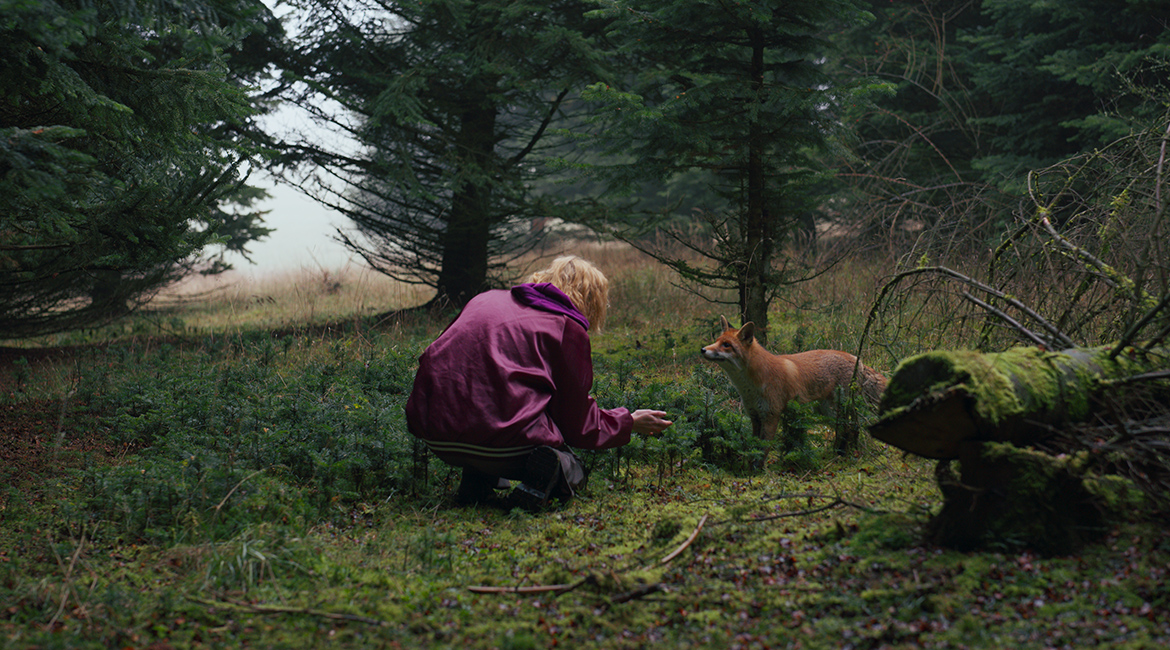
x=937, y=400
x=988, y=411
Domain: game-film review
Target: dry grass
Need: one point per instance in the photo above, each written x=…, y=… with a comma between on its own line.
x=646, y=300
x=644, y=293
x=292, y=298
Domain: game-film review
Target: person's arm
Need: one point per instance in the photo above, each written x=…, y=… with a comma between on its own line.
x=650, y=422
x=582, y=423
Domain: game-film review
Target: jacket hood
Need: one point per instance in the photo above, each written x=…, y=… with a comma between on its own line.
x=546, y=297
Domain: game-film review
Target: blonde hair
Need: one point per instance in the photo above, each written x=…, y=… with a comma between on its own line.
x=582, y=282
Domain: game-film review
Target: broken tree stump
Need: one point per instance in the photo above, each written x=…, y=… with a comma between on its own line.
x=987, y=411
x=1007, y=497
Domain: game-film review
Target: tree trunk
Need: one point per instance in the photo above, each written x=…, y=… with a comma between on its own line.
x=464, y=269
x=1006, y=498
x=758, y=242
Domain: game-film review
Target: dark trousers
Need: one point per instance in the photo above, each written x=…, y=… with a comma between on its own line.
x=486, y=471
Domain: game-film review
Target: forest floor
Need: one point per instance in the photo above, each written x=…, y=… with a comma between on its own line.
x=830, y=558
x=237, y=488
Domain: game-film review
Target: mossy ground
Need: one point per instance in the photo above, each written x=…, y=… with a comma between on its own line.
x=823, y=559
x=252, y=490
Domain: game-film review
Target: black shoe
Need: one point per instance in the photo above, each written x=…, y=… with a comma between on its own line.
x=542, y=473
x=476, y=488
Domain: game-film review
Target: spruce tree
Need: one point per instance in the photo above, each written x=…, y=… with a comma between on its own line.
x=450, y=104
x=736, y=95
x=986, y=93
x=120, y=148
x=1058, y=79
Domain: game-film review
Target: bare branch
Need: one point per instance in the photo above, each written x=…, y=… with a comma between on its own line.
x=1060, y=337
x=1136, y=328
x=685, y=544
x=1159, y=206
x=1029, y=334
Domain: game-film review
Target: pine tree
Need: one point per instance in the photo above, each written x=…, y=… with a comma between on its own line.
x=1058, y=79
x=910, y=164
x=736, y=95
x=451, y=103
x=119, y=142
x=986, y=93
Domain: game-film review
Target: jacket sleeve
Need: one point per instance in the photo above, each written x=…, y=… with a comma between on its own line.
x=582, y=423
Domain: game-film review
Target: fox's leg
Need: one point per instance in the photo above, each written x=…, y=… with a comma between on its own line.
x=758, y=426
x=770, y=424
x=828, y=405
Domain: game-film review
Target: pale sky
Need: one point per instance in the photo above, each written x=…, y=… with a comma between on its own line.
x=304, y=229
x=303, y=236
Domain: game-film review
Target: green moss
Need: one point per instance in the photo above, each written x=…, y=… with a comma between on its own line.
x=1014, y=498
x=931, y=372
x=368, y=559
x=994, y=380
x=892, y=531
x=664, y=531
x=973, y=572
x=1020, y=382
x=1119, y=496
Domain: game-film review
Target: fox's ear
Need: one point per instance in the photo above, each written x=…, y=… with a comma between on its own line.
x=747, y=332
x=723, y=322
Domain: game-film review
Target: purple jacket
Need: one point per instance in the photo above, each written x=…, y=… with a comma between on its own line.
x=514, y=370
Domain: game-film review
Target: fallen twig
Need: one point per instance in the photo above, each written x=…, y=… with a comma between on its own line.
x=219, y=506
x=640, y=592
x=557, y=590
x=835, y=503
x=797, y=513
x=675, y=553
x=68, y=574
x=266, y=609
x=531, y=589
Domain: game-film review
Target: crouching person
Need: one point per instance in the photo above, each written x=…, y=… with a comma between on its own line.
x=504, y=391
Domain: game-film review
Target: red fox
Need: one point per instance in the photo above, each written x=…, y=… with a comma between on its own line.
x=767, y=382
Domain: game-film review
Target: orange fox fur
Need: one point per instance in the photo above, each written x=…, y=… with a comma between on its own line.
x=767, y=382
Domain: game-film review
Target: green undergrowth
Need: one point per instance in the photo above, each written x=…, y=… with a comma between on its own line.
x=268, y=495
x=828, y=559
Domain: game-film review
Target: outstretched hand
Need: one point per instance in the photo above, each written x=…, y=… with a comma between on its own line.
x=651, y=423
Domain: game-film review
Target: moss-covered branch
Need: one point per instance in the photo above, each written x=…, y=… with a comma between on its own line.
x=935, y=401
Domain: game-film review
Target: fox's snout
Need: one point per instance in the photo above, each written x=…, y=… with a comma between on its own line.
x=712, y=355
